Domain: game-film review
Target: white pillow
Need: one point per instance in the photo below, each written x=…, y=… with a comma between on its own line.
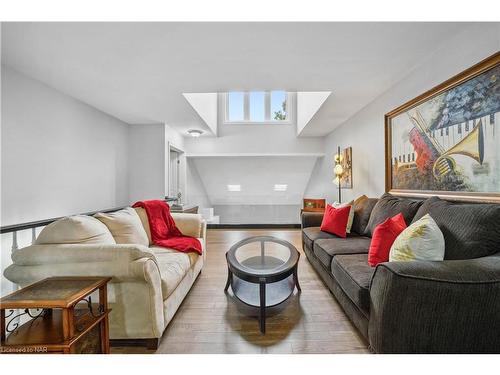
x=75, y=229
x=422, y=240
x=125, y=226
x=351, y=213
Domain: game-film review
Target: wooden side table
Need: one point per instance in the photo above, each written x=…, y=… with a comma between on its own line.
x=67, y=321
x=313, y=205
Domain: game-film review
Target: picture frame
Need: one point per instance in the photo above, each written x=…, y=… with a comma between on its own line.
x=346, y=162
x=444, y=141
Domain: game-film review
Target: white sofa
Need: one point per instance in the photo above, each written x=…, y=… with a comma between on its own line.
x=148, y=282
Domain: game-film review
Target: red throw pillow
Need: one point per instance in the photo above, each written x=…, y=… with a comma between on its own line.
x=335, y=220
x=383, y=237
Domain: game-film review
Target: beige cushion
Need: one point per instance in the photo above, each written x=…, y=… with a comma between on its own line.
x=75, y=229
x=193, y=256
x=189, y=224
x=125, y=226
x=173, y=267
x=141, y=212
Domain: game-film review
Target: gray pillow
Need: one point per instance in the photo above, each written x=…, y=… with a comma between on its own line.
x=388, y=206
x=470, y=230
x=363, y=207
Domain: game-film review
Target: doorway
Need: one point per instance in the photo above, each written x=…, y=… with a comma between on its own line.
x=173, y=190
x=175, y=174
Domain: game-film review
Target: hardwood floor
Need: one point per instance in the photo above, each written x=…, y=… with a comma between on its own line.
x=210, y=321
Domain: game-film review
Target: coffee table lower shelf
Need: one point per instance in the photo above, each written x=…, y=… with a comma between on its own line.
x=262, y=295
x=249, y=293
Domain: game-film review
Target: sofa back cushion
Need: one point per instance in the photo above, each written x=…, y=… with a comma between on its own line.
x=388, y=206
x=75, y=229
x=125, y=226
x=470, y=230
x=141, y=212
x=363, y=207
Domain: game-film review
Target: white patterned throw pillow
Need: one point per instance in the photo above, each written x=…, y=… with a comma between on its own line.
x=351, y=213
x=422, y=240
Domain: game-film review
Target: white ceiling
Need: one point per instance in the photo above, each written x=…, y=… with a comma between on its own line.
x=308, y=103
x=205, y=104
x=257, y=177
x=138, y=71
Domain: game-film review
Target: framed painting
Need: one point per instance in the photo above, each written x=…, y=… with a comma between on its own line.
x=446, y=142
x=346, y=162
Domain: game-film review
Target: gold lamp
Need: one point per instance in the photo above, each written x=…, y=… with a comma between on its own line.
x=338, y=170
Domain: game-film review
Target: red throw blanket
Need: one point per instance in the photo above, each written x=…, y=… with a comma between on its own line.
x=164, y=232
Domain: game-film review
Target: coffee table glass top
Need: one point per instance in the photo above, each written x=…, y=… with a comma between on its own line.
x=262, y=256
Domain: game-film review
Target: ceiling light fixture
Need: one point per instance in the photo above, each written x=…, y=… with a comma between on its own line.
x=195, y=133
x=280, y=187
x=233, y=187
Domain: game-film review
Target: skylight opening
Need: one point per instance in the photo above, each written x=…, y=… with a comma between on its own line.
x=280, y=187
x=233, y=187
x=258, y=107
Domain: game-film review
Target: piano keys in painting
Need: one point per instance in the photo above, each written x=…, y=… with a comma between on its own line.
x=449, y=141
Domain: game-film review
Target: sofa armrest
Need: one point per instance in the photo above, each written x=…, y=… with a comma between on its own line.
x=120, y=268
x=436, y=307
x=78, y=253
x=311, y=219
x=190, y=224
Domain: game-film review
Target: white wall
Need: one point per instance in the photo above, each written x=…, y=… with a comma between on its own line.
x=257, y=202
x=196, y=192
x=173, y=137
x=258, y=213
x=267, y=139
x=256, y=177
x=365, y=130
x=59, y=155
x=146, y=162
x=149, y=161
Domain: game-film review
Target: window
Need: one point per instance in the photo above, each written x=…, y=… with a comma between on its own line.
x=257, y=107
x=236, y=109
x=278, y=105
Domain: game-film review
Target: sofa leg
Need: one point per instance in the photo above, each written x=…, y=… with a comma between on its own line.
x=150, y=344
x=153, y=344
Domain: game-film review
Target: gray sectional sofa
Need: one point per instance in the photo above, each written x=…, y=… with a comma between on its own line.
x=451, y=306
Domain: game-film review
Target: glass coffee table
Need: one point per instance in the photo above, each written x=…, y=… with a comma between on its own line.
x=262, y=272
